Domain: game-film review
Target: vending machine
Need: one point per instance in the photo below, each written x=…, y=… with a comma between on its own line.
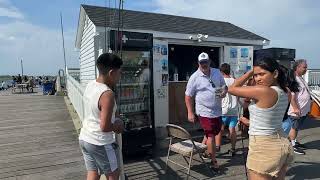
x=135, y=91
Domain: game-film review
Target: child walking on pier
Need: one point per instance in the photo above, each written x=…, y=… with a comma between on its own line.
x=97, y=138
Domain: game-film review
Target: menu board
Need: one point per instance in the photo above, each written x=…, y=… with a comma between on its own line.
x=160, y=82
x=240, y=59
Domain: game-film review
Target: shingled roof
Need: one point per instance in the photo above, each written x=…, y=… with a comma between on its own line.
x=108, y=17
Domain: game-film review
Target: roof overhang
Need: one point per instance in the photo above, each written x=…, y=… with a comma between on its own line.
x=180, y=36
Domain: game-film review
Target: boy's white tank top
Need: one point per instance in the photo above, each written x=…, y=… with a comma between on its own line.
x=91, y=131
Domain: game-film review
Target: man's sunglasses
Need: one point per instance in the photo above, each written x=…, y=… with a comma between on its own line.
x=203, y=62
x=212, y=84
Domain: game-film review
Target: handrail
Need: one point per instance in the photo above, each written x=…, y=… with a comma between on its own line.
x=315, y=95
x=312, y=77
x=75, y=94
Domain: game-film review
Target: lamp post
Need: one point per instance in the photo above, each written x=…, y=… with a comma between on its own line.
x=64, y=51
x=21, y=68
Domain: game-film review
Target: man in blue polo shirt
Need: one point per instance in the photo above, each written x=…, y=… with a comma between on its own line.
x=206, y=87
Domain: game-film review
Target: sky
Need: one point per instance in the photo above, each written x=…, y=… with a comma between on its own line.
x=30, y=29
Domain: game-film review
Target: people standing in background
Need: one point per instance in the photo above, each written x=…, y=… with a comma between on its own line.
x=19, y=79
x=31, y=84
x=298, y=113
x=26, y=81
x=40, y=80
x=230, y=106
x=293, y=87
x=14, y=81
x=204, y=91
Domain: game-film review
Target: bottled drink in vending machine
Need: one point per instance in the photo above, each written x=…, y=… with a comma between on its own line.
x=132, y=107
x=122, y=93
x=123, y=79
x=122, y=109
x=145, y=105
x=127, y=90
x=145, y=91
x=135, y=93
x=131, y=92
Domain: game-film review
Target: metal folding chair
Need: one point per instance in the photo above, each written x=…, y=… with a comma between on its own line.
x=184, y=146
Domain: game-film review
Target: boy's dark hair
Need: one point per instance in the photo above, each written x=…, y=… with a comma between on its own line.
x=108, y=61
x=225, y=68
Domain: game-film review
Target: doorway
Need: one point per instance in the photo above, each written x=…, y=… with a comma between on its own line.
x=183, y=59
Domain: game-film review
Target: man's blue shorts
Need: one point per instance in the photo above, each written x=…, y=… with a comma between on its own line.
x=230, y=121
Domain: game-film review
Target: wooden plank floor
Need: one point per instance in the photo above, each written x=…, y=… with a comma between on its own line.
x=37, y=138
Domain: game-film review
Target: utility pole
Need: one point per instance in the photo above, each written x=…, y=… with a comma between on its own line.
x=64, y=51
x=21, y=68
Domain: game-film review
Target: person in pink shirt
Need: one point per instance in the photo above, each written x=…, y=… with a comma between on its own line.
x=298, y=112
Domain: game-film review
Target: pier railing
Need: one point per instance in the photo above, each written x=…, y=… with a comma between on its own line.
x=75, y=92
x=312, y=77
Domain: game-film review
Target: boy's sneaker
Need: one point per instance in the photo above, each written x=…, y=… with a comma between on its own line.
x=218, y=149
x=297, y=150
x=232, y=152
x=300, y=145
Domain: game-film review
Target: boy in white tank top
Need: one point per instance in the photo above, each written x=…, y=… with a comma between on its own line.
x=230, y=105
x=97, y=136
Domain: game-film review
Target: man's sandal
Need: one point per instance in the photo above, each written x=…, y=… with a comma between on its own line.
x=214, y=166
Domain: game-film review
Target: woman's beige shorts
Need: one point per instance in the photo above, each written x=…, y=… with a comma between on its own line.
x=268, y=154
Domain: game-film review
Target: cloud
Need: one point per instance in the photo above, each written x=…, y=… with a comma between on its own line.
x=39, y=48
x=287, y=23
x=7, y=10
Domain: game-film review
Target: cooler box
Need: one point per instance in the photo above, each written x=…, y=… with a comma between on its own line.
x=47, y=88
x=315, y=110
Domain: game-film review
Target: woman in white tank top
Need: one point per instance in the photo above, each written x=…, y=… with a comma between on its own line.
x=269, y=150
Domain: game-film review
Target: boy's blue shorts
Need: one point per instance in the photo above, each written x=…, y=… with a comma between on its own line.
x=230, y=121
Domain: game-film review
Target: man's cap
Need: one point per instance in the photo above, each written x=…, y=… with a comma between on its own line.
x=203, y=57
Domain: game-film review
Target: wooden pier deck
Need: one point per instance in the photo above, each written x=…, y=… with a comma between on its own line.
x=37, y=138
x=38, y=141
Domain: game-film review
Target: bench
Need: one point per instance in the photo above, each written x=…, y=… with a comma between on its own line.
x=21, y=87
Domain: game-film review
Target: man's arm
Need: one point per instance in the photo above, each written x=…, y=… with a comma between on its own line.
x=190, y=104
x=189, y=98
x=295, y=107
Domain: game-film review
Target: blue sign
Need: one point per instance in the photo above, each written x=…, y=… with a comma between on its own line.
x=233, y=53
